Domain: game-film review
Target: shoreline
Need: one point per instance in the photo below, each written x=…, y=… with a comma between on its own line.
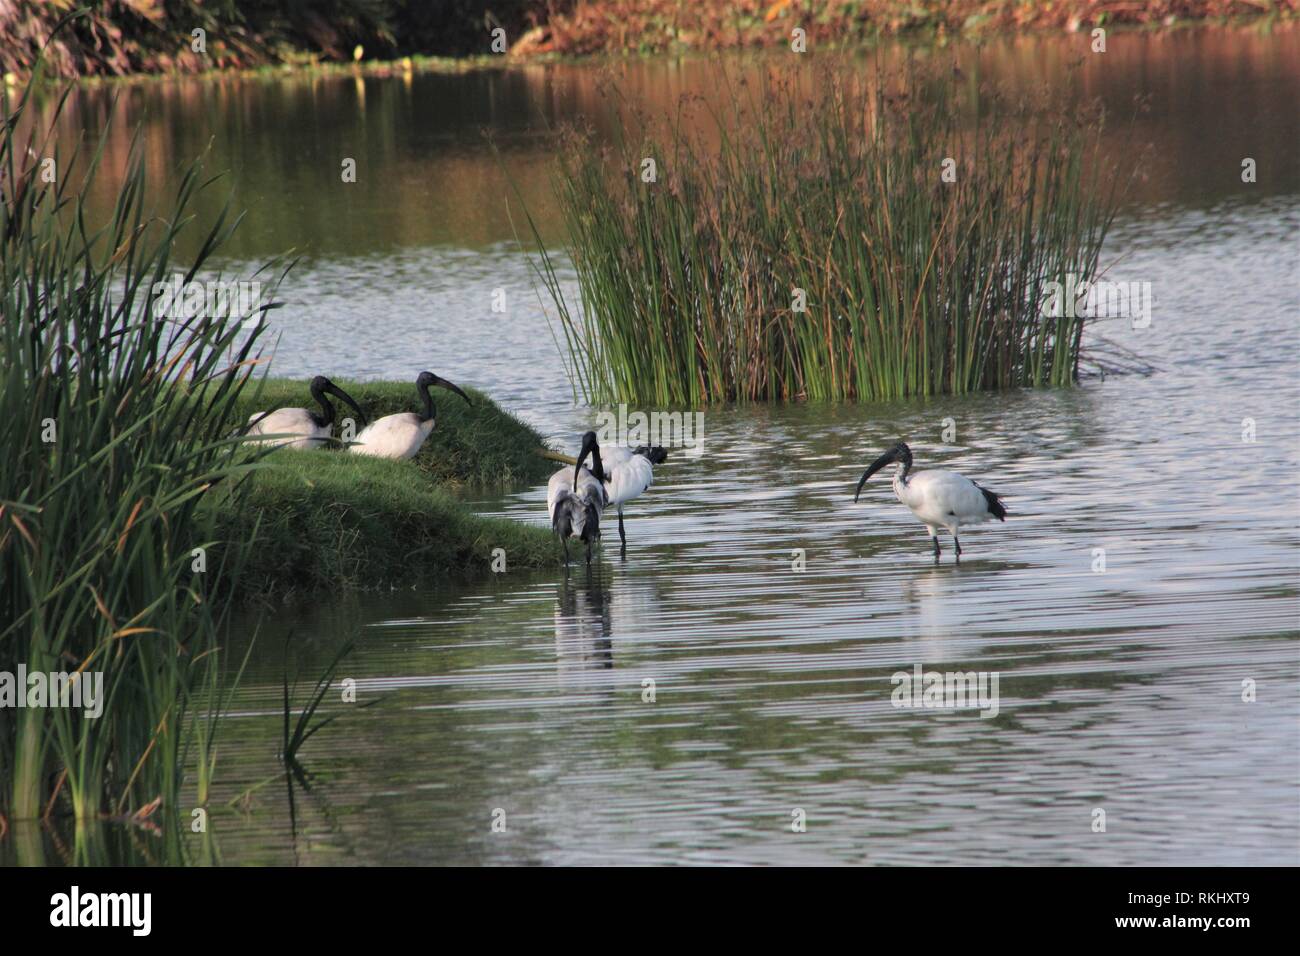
x=532, y=49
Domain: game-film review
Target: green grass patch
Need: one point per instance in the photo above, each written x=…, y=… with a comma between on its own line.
x=480, y=445
x=111, y=442
x=326, y=520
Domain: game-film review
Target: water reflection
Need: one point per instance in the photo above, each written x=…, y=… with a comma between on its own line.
x=427, y=177
x=933, y=619
x=583, y=623
x=524, y=692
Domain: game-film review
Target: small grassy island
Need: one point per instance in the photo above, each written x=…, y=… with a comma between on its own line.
x=330, y=519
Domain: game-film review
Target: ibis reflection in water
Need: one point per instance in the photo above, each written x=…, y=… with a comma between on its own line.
x=939, y=499
x=400, y=436
x=595, y=607
x=301, y=427
x=583, y=627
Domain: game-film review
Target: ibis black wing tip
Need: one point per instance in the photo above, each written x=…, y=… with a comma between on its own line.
x=561, y=519
x=996, y=508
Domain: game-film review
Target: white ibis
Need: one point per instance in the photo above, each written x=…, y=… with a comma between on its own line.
x=939, y=499
x=628, y=473
x=400, y=436
x=307, y=429
x=575, y=499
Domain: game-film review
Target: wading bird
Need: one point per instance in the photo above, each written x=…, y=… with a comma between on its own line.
x=628, y=473
x=309, y=429
x=575, y=499
x=401, y=435
x=939, y=499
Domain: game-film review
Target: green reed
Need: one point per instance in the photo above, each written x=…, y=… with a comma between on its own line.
x=115, y=422
x=913, y=285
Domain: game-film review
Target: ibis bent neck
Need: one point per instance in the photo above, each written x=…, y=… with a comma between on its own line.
x=318, y=393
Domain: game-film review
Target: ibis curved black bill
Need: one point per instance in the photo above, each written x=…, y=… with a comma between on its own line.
x=885, y=459
x=344, y=396
x=425, y=379
x=899, y=452
x=451, y=387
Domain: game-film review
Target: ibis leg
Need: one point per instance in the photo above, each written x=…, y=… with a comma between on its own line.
x=589, y=552
x=565, y=542
x=937, y=549
x=622, y=535
x=957, y=541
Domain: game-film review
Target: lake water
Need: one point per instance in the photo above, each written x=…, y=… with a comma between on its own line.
x=770, y=611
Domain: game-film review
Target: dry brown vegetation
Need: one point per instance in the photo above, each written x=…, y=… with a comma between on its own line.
x=122, y=37
x=615, y=26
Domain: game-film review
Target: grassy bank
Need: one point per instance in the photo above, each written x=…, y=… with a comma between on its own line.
x=668, y=26
x=123, y=39
x=117, y=38
x=835, y=238
x=325, y=521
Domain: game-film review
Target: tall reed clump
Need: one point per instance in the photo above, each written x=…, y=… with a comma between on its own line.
x=806, y=244
x=114, y=423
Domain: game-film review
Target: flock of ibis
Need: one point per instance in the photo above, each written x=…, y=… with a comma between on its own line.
x=393, y=436
x=577, y=499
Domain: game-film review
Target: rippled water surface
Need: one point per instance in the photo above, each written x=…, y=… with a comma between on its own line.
x=1120, y=689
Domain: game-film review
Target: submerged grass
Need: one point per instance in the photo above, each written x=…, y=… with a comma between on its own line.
x=798, y=244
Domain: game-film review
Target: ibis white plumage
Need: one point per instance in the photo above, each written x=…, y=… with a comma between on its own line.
x=301, y=427
x=628, y=472
x=402, y=435
x=575, y=499
x=939, y=499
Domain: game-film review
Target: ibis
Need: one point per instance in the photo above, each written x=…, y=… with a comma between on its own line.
x=628, y=472
x=400, y=436
x=300, y=427
x=575, y=499
x=625, y=473
x=939, y=499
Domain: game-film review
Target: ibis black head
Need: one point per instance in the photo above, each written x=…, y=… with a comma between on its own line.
x=320, y=387
x=652, y=453
x=422, y=384
x=589, y=447
x=428, y=379
x=897, y=453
